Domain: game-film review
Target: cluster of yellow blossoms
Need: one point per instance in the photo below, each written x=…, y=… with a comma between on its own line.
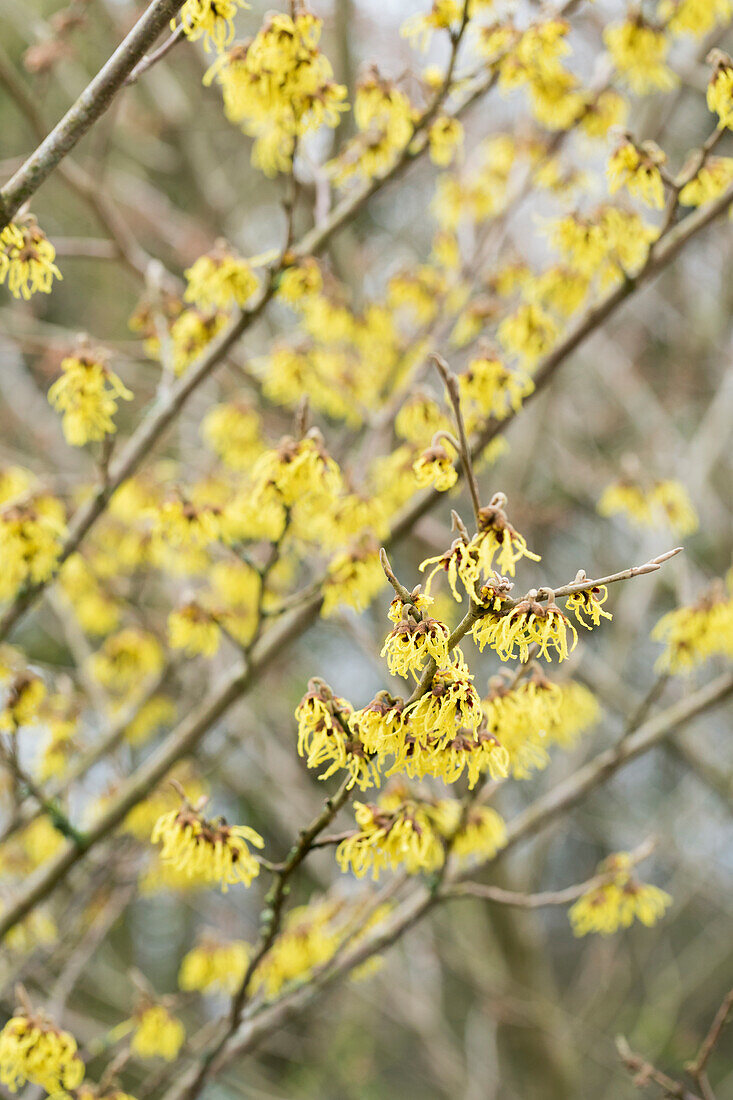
x=32, y=1049
x=401, y=830
x=87, y=394
x=207, y=852
x=618, y=902
x=279, y=87
x=156, y=1033
x=692, y=635
x=664, y=501
x=27, y=259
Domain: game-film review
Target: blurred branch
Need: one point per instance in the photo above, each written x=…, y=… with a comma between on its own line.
x=91, y=104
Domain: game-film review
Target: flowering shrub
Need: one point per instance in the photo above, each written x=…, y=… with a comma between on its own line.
x=319, y=449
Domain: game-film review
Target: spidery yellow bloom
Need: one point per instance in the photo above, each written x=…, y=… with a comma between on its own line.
x=450, y=705
x=694, y=17
x=615, y=904
x=442, y=16
x=193, y=629
x=639, y=52
x=715, y=177
x=419, y=419
x=32, y=1049
x=31, y=533
x=212, y=965
x=279, y=87
x=211, y=19
x=411, y=644
x=87, y=394
x=435, y=467
x=645, y=506
x=299, y=282
x=354, y=577
x=384, y=120
x=125, y=658
x=155, y=714
x=638, y=171
x=220, y=280
x=157, y=1033
x=589, y=605
x=530, y=332
x=493, y=388
x=326, y=735
x=528, y=623
x=693, y=634
x=445, y=138
x=27, y=259
x=23, y=698
x=191, y=332
x=604, y=111
x=308, y=939
x=209, y=852
x=389, y=837
x=482, y=834
x=720, y=90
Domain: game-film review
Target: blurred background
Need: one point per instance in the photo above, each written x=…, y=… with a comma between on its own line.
x=478, y=1002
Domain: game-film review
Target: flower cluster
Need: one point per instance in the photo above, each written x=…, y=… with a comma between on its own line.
x=691, y=635
x=278, y=87
x=402, y=831
x=616, y=903
x=214, y=965
x=27, y=259
x=665, y=501
x=157, y=1033
x=384, y=120
x=220, y=280
x=207, y=852
x=212, y=20
x=32, y=1049
x=87, y=394
x=526, y=624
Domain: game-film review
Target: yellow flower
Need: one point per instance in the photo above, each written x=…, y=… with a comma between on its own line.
x=493, y=387
x=528, y=623
x=308, y=940
x=530, y=332
x=391, y=836
x=384, y=119
x=22, y=702
x=720, y=90
x=193, y=629
x=639, y=52
x=31, y=533
x=212, y=966
x=300, y=281
x=87, y=394
x=190, y=333
x=604, y=111
x=157, y=1033
x=27, y=259
x=326, y=735
x=450, y=706
x=209, y=852
x=667, y=500
x=158, y=712
x=589, y=603
x=435, y=467
x=220, y=280
x=212, y=19
x=695, y=17
x=445, y=137
x=638, y=171
x=279, y=87
x=354, y=577
x=693, y=634
x=419, y=419
x=715, y=177
x=32, y=1049
x=482, y=834
x=412, y=643
x=125, y=658
x=442, y=15
x=615, y=904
